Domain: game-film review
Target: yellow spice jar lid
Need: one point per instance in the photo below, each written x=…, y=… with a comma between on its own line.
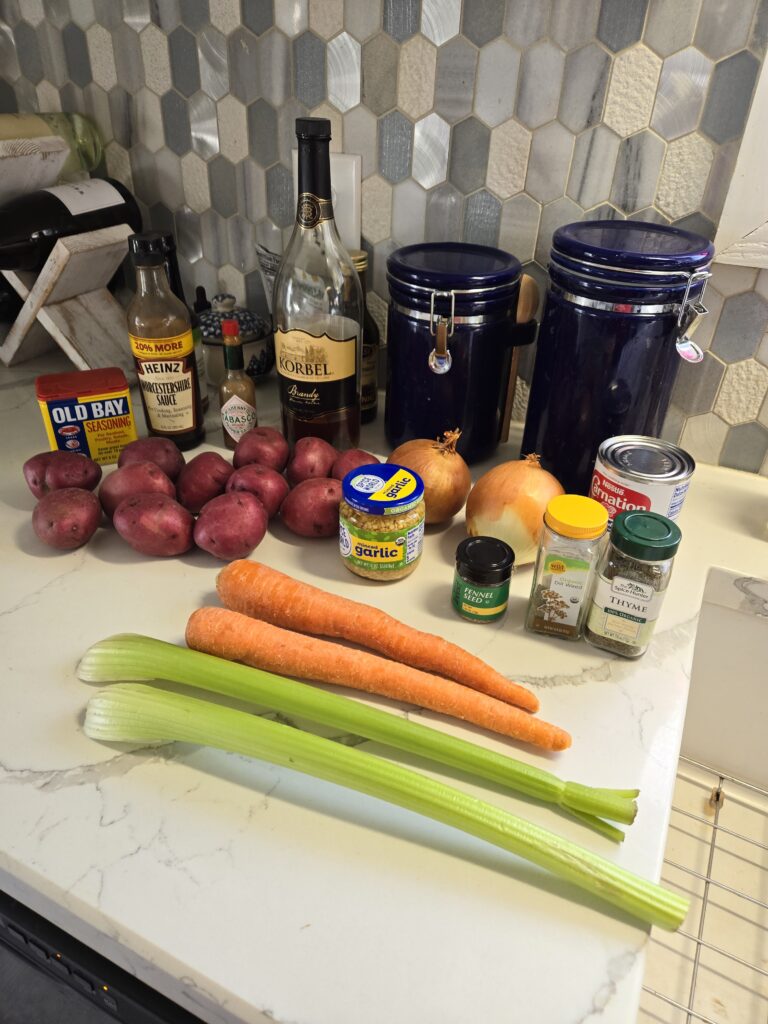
x=573, y=515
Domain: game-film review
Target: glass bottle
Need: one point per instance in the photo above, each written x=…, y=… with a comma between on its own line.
x=318, y=309
x=174, y=279
x=632, y=577
x=237, y=392
x=369, y=392
x=86, y=147
x=568, y=552
x=161, y=341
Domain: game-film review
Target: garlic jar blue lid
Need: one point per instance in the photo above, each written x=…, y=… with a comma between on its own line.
x=382, y=489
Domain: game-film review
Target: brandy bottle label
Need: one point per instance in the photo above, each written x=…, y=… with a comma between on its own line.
x=310, y=210
x=317, y=374
x=164, y=368
x=237, y=417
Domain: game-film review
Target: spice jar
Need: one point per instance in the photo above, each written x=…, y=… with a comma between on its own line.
x=568, y=551
x=381, y=521
x=481, y=581
x=632, y=577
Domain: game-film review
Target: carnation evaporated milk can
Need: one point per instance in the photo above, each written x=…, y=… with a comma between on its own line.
x=634, y=472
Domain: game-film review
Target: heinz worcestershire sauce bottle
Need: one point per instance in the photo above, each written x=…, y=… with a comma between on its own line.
x=161, y=342
x=318, y=309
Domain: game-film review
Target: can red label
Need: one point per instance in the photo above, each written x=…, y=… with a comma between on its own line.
x=617, y=497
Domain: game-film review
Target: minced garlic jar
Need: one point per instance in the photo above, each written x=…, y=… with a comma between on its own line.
x=381, y=521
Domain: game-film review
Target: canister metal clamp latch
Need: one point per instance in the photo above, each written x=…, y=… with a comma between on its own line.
x=441, y=328
x=689, y=318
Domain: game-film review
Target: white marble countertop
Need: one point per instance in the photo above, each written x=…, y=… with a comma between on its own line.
x=251, y=894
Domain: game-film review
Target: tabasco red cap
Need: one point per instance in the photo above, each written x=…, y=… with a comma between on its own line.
x=83, y=383
x=230, y=328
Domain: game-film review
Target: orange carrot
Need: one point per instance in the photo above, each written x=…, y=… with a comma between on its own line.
x=237, y=637
x=267, y=594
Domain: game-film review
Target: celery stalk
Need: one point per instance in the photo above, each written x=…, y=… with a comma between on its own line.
x=131, y=657
x=136, y=713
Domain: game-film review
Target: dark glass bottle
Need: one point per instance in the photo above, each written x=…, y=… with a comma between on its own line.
x=161, y=341
x=318, y=309
x=369, y=391
x=31, y=224
x=174, y=279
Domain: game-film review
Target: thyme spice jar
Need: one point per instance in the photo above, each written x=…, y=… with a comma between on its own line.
x=481, y=581
x=632, y=577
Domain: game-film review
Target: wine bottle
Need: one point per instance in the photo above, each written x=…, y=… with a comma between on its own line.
x=369, y=391
x=86, y=147
x=161, y=341
x=30, y=224
x=318, y=309
x=174, y=279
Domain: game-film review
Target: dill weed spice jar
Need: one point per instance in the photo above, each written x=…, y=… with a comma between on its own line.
x=381, y=521
x=632, y=577
x=481, y=581
x=568, y=552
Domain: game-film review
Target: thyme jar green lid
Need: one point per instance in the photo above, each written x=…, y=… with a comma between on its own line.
x=481, y=581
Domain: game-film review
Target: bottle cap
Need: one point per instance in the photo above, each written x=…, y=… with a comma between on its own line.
x=146, y=248
x=230, y=328
x=359, y=259
x=313, y=128
x=201, y=300
x=487, y=560
x=382, y=489
x=577, y=517
x=645, y=535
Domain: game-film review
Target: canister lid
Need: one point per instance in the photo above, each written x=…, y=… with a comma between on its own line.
x=575, y=516
x=80, y=383
x=487, y=560
x=632, y=245
x=382, y=489
x=443, y=266
x=645, y=535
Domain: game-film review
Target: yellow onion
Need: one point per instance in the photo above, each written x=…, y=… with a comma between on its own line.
x=509, y=501
x=446, y=475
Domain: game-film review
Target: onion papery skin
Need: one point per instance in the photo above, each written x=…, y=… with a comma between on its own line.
x=446, y=476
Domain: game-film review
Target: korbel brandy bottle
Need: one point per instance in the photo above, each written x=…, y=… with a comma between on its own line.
x=318, y=309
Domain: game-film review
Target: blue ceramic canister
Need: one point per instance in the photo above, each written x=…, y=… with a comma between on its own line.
x=450, y=334
x=623, y=298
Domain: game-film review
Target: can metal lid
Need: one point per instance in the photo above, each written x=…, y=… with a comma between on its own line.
x=382, y=489
x=646, y=535
x=646, y=459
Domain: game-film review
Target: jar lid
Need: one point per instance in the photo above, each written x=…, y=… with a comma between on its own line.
x=577, y=517
x=633, y=245
x=224, y=307
x=486, y=559
x=382, y=489
x=645, y=535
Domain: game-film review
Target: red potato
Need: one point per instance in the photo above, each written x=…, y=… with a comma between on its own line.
x=265, y=483
x=263, y=445
x=154, y=524
x=67, y=518
x=159, y=450
x=312, y=457
x=351, y=459
x=311, y=509
x=203, y=478
x=231, y=526
x=135, y=478
x=51, y=471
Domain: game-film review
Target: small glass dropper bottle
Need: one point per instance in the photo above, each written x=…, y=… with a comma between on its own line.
x=237, y=392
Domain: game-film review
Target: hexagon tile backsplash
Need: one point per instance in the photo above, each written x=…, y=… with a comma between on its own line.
x=492, y=121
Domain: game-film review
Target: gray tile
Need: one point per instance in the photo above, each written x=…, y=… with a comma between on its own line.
x=194, y=13
x=309, y=68
x=144, y=173
x=214, y=73
x=108, y=13
x=549, y=161
x=8, y=57
x=8, y=104
x=573, y=22
x=759, y=35
x=682, y=87
x=120, y=115
x=185, y=70
x=242, y=47
x=52, y=54
x=274, y=59
x=71, y=97
x=698, y=223
x=205, y=125
x=147, y=121
x=697, y=384
x=82, y=12
x=161, y=218
x=674, y=422
x=401, y=18
x=455, y=79
x=136, y=13
x=362, y=18
x=28, y=52
x=745, y=447
x=360, y=128
x=670, y=25
x=166, y=14
x=379, y=73
x=76, y=52
x=241, y=237
x=213, y=233
x=444, y=214
x=221, y=175
x=292, y=17
x=430, y=150
x=719, y=179
x=344, y=71
x=440, y=20
x=269, y=235
x=519, y=226
x=538, y=93
x=730, y=94
x=395, y=146
x=482, y=214
x=169, y=185
x=585, y=80
x=286, y=129
x=251, y=190
x=637, y=171
x=280, y=195
x=129, y=65
x=381, y=253
x=255, y=298
x=468, y=160
x=741, y=327
x=188, y=240
x=526, y=21
x=57, y=12
x=409, y=209
x=497, y=72
x=605, y=211
x=178, y=132
x=258, y=15
x=723, y=27
x=594, y=160
x=482, y=20
x=621, y=22
x=262, y=133
x=553, y=216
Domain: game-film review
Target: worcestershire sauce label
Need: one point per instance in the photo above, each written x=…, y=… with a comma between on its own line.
x=317, y=374
x=164, y=367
